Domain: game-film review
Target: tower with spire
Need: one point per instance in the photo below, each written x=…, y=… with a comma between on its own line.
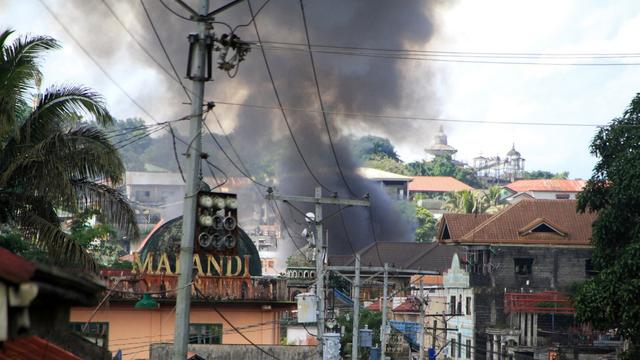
x=440, y=147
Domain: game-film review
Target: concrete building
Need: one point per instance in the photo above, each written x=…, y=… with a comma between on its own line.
x=497, y=170
x=439, y=146
x=395, y=185
x=460, y=336
x=430, y=191
x=229, y=290
x=522, y=262
x=550, y=189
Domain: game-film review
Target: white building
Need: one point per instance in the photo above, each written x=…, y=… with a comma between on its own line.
x=546, y=189
x=460, y=311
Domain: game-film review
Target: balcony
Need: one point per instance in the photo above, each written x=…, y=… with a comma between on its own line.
x=127, y=286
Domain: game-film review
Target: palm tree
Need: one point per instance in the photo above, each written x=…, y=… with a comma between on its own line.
x=49, y=162
x=464, y=201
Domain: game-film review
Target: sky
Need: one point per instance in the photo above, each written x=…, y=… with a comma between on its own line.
x=469, y=91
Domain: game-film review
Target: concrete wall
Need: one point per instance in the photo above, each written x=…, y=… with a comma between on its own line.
x=133, y=330
x=235, y=352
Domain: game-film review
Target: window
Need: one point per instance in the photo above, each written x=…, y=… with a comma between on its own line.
x=542, y=228
x=452, y=304
x=459, y=309
x=459, y=345
x=468, y=351
x=523, y=266
x=468, y=305
x=96, y=332
x=453, y=348
x=562, y=196
x=589, y=270
x=205, y=333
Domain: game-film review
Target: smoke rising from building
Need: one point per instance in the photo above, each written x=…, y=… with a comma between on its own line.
x=351, y=84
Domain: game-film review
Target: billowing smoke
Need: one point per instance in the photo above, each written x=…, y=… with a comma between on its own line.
x=349, y=84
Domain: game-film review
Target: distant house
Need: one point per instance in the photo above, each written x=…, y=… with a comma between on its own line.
x=544, y=189
x=395, y=185
x=521, y=263
x=433, y=189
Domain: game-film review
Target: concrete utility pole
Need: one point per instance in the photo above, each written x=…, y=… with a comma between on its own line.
x=197, y=73
x=383, y=328
x=183, y=298
x=318, y=200
x=319, y=268
x=421, y=321
x=356, y=310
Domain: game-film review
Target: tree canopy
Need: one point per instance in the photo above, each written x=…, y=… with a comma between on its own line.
x=368, y=147
x=610, y=299
x=48, y=161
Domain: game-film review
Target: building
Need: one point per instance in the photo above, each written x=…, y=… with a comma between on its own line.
x=395, y=185
x=459, y=322
x=440, y=146
x=34, y=311
x=522, y=262
x=229, y=292
x=544, y=189
x=497, y=170
x=430, y=191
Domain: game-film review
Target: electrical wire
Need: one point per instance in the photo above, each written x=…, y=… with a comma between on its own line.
x=175, y=153
x=164, y=49
x=373, y=233
x=88, y=54
x=175, y=12
x=416, y=117
x=253, y=16
x=139, y=43
x=280, y=105
x=324, y=115
x=448, y=59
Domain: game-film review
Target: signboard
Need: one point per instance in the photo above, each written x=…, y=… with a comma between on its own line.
x=213, y=265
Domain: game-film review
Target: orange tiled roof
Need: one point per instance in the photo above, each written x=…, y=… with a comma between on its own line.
x=374, y=306
x=506, y=227
x=409, y=305
x=558, y=185
x=437, y=184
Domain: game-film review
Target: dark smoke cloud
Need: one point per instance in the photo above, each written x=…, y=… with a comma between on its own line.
x=348, y=84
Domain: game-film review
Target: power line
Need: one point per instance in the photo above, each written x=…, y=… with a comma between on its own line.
x=373, y=233
x=463, y=53
x=174, y=12
x=324, y=115
x=88, y=54
x=284, y=114
x=449, y=58
x=414, y=118
x=253, y=17
x=164, y=50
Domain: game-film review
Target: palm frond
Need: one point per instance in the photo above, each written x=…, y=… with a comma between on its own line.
x=58, y=244
x=4, y=36
x=113, y=205
x=46, y=167
x=19, y=72
x=64, y=105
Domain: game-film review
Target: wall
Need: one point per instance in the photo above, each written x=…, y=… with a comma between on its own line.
x=548, y=195
x=133, y=330
x=235, y=352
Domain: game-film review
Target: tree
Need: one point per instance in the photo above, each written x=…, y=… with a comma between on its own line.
x=426, y=230
x=383, y=162
x=367, y=147
x=128, y=130
x=48, y=161
x=542, y=174
x=372, y=319
x=464, y=202
x=444, y=165
x=610, y=299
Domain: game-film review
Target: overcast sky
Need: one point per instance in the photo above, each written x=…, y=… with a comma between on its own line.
x=481, y=92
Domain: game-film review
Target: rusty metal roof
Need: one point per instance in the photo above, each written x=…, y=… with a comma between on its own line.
x=33, y=348
x=14, y=268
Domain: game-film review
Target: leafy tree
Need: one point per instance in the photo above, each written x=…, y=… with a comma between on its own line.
x=444, y=165
x=368, y=147
x=464, y=202
x=383, y=162
x=426, y=230
x=610, y=299
x=48, y=162
x=542, y=174
x=372, y=319
x=128, y=130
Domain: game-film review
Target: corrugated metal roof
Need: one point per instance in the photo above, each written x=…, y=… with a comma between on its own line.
x=550, y=185
x=34, y=348
x=437, y=184
x=14, y=268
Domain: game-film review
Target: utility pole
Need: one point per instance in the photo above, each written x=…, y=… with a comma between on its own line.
x=319, y=268
x=197, y=72
x=183, y=298
x=356, y=310
x=421, y=321
x=383, y=328
x=318, y=200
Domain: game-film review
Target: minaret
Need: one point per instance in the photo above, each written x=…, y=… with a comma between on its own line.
x=440, y=146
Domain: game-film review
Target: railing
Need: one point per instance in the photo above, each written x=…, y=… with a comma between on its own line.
x=205, y=288
x=547, y=302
